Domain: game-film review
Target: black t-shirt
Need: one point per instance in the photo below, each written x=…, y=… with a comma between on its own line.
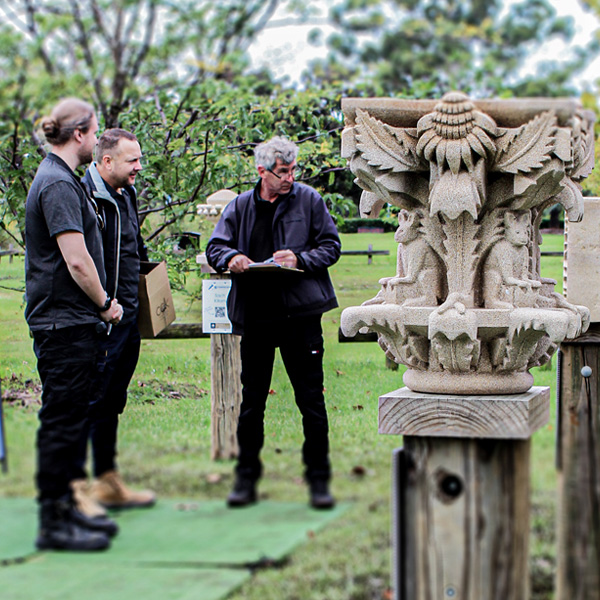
x=263, y=292
x=57, y=203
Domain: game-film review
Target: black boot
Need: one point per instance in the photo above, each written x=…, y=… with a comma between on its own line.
x=243, y=493
x=59, y=530
x=319, y=494
x=99, y=523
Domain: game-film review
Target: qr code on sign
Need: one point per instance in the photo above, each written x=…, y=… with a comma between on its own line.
x=220, y=312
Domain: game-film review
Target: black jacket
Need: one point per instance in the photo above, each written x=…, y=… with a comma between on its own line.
x=111, y=234
x=301, y=224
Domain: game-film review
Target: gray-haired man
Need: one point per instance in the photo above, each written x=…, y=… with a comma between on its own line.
x=286, y=222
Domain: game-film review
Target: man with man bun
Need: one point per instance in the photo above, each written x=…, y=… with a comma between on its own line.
x=286, y=223
x=110, y=180
x=66, y=303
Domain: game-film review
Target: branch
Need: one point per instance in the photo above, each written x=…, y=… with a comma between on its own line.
x=97, y=13
x=147, y=43
x=163, y=117
x=163, y=227
x=148, y=211
x=129, y=27
x=234, y=31
x=82, y=40
x=5, y=229
x=31, y=12
x=204, y=169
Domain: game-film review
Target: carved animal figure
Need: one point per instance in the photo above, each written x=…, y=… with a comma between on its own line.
x=506, y=282
x=418, y=267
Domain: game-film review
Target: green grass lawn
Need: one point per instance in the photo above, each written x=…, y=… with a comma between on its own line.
x=165, y=436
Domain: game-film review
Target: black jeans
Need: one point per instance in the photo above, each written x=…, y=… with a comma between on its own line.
x=66, y=364
x=300, y=342
x=117, y=358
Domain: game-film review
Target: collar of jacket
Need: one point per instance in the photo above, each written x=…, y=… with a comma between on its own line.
x=101, y=191
x=281, y=198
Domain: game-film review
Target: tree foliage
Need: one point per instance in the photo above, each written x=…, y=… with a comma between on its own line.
x=177, y=74
x=427, y=47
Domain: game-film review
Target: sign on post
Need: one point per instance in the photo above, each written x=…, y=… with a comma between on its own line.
x=214, y=306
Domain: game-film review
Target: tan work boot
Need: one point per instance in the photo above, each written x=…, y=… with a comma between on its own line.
x=110, y=491
x=84, y=502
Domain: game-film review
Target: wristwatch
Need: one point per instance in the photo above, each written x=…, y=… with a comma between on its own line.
x=106, y=305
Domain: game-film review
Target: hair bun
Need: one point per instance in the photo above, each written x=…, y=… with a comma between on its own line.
x=50, y=127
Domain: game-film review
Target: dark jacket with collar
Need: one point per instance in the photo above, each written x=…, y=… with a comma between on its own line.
x=111, y=234
x=301, y=224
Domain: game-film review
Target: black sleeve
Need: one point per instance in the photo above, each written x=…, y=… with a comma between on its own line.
x=61, y=205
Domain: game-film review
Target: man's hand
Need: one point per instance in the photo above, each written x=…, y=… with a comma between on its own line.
x=285, y=258
x=114, y=314
x=239, y=263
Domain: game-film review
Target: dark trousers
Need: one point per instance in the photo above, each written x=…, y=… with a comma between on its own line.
x=66, y=364
x=117, y=358
x=300, y=342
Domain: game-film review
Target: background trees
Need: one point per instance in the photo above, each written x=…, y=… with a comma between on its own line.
x=427, y=47
x=178, y=74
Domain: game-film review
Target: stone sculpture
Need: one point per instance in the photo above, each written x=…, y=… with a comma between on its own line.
x=467, y=310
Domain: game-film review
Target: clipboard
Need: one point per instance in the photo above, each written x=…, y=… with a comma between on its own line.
x=271, y=267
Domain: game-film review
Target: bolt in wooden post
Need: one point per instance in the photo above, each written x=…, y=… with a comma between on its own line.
x=578, y=461
x=461, y=511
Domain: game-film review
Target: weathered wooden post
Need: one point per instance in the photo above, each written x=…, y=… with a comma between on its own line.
x=469, y=314
x=225, y=395
x=578, y=434
x=461, y=492
x=226, y=387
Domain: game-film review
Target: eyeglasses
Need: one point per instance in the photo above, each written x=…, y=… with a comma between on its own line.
x=293, y=172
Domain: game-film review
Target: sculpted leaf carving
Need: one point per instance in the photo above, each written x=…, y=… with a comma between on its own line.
x=584, y=138
x=457, y=355
x=521, y=343
x=528, y=147
x=386, y=147
x=460, y=244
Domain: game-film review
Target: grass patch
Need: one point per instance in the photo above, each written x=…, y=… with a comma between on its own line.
x=165, y=436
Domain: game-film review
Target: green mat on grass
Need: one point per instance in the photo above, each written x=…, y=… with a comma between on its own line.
x=177, y=550
x=40, y=579
x=18, y=527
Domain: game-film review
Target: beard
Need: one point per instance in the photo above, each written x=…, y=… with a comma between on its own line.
x=85, y=156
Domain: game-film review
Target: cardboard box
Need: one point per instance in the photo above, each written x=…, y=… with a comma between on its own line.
x=156, y=301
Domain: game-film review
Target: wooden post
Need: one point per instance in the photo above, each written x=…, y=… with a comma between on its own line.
x=226, y=385
x=461, y=511
x=578, y=462
x=226, y=394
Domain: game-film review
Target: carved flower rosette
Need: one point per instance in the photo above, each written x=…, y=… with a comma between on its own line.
x=467, y=310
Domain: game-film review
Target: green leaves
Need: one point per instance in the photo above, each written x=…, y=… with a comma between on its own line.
x=424, y=48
